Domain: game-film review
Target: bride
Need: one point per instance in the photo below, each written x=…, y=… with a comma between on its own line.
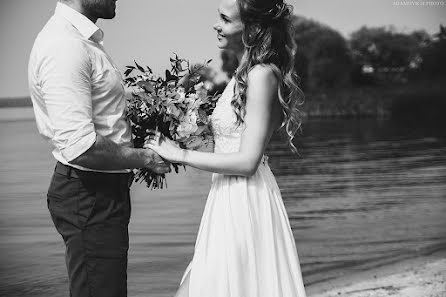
x=245, y=247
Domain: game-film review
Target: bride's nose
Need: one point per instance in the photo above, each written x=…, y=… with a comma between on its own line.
x=217, y=27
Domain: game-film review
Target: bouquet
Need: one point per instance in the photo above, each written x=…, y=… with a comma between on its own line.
x=177, y=105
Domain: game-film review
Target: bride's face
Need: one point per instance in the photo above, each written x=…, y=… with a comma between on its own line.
x=229, y=26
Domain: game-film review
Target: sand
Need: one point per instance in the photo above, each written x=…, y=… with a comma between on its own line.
x=419, y=277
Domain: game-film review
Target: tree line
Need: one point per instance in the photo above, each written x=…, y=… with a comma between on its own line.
x=370, y=56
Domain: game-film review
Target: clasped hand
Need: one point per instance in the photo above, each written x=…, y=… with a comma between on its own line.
x=164, y=147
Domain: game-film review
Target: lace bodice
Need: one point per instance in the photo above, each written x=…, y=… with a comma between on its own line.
x=227, y=134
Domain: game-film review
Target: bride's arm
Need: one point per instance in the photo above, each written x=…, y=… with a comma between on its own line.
x=259, y=120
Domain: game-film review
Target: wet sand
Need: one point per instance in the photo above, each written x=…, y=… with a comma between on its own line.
x=418, y=277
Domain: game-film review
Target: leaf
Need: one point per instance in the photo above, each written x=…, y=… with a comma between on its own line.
x=172, y=126
x=139, y=67
x=130, y=80
x=170, y=77
x=200, y=130
x=128, y=71
x=146, y=85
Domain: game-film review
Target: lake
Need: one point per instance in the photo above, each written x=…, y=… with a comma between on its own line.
x=361, y=193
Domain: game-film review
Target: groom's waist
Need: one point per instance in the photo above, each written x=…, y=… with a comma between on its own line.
x=71, y=172
x=60, y=159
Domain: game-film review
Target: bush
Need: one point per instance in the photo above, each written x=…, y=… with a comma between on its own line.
x=323, y=58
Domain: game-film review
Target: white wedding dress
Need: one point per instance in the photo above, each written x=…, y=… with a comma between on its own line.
x=245, y=247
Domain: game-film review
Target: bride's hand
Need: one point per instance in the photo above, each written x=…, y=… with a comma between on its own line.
x=164, y=147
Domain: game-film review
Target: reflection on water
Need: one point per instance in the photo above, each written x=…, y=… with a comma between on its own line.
x=362, y=193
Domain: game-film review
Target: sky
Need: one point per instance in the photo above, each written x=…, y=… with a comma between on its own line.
x=149, y=31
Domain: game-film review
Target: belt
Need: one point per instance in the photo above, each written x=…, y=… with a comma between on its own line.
x=71, y=172
x=66, y=170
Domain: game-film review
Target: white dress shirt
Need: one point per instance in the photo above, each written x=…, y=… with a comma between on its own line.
x=76, y=89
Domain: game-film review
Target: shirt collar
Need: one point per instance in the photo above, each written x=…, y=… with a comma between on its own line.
x=86, y=27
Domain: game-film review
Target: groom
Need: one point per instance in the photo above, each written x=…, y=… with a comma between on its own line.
x=79, y=104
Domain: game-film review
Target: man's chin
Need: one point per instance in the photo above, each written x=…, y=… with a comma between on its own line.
x=109, y=16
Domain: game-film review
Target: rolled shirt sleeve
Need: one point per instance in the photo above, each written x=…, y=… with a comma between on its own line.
x=66, y=90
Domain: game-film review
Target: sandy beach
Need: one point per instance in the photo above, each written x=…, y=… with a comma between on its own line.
x=419, y=277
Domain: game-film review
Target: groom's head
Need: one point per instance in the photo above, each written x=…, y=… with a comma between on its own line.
x=94, y=9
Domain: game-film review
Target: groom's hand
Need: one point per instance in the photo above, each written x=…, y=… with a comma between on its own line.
x=155, y=163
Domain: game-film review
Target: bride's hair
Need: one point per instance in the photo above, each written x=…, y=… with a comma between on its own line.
x=268, y=40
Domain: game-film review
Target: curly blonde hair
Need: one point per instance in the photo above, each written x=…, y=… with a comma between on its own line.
x=268, y=40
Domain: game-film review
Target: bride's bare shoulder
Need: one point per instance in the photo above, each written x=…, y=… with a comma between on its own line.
x=265, y=75
x=263, y=79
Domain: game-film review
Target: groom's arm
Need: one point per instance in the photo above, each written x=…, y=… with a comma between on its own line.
x=107, y=155
x=66, y=87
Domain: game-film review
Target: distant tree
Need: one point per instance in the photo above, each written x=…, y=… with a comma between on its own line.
x=390, y=55
x=434, y=55
x=323, y=58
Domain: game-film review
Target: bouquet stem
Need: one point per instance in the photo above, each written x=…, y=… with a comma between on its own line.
x=153, y=180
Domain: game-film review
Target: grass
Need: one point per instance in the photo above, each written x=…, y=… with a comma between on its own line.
x=426, y=98
x=15, y=102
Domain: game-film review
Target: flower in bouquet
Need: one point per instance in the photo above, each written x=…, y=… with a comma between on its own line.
x=177, y=105
x=188, y=125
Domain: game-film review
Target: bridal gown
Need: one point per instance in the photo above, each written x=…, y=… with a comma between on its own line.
x=244, y=247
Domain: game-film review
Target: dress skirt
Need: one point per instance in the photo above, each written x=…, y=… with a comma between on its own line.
x=245, y=246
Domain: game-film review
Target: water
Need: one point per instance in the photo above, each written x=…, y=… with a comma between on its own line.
x=362, y=193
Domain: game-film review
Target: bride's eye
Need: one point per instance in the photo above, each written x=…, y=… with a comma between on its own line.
x=225, y=18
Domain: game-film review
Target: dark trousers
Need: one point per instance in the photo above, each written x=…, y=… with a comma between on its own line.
x=91, y=211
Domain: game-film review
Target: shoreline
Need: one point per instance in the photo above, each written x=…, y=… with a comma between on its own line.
x=13, y=114
x=421, y=276
x=355, y=101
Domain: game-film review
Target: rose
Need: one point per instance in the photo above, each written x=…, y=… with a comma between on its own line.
x=184, y=130
x=173, y=110
x=201, y=92
x=190, y=100
x=182, y=92
x=199, y=86
x=188, y=125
